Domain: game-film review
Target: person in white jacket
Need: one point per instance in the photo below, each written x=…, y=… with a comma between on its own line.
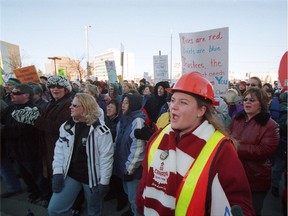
x=83, y=158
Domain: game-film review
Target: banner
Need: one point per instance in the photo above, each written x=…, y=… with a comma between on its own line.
x=27, y=74
x=111, y=71
x=207, y=52
x=160, y=68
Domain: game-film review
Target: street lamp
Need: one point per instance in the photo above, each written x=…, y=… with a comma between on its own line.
x=87, y=49
x=54, y=59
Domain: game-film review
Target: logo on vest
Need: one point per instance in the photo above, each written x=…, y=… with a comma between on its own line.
x=160, y=175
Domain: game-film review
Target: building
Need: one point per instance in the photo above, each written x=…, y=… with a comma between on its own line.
x=72, y=69
x=9, y=57
x=127, y=70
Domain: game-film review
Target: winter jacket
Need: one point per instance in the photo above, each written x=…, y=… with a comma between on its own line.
x=56, y=113
x=159, y=187
x=99, y=149
x=258, y=139
x=21, y=140
x=129, y=151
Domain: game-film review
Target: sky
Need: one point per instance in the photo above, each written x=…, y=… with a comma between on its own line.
x=43, y=28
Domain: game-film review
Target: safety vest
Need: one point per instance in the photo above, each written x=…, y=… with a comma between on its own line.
x=191, y=194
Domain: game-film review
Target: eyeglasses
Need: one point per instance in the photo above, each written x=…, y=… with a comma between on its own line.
x=252, y=84
x=250, y=99
x=75, y=105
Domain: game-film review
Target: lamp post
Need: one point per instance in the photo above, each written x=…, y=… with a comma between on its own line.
x=54, y=59
x=87, y=50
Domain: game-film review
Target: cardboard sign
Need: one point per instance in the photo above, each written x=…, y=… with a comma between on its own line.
x=160, y=68
x=27, y=74
x=111, y=71
x=207, y=52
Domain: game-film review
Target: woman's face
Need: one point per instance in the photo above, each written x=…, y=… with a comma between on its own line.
x=111, y=110
x=251, y=105
x=184, y=112
x=160, y=91
x=57, y=92
x=147, y=91
x=76, y=109
x=126, y=88
x=125, y=105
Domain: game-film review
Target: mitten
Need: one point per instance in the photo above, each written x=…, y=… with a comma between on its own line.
x=57, y=183
x=26, y=115
x=144, y=133
x=128, y=177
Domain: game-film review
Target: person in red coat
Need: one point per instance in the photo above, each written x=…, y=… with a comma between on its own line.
x=256, y=136
x=191, y=167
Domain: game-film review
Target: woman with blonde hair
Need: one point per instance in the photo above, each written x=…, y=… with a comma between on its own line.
x=83, y=158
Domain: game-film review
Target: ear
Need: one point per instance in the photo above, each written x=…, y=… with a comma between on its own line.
x=201, y=111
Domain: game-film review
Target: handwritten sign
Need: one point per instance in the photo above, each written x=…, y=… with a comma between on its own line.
x=27, y=74
x=207, y=52
x=111, y=71
x=160, y=68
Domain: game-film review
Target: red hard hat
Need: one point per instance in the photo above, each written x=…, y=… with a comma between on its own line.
x=196, y=83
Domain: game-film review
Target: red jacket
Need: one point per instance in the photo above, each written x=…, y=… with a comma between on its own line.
x=258, y=139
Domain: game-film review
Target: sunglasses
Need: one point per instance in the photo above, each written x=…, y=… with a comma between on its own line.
x=56, y=86
x=75, y=105
x=17, y=93
x=250, y=99
x=253, y=85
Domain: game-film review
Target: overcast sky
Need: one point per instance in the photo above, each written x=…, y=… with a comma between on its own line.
x=42, y=28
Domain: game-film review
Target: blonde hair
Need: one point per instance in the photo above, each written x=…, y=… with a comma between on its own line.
x=90, y=106
x=93, y=89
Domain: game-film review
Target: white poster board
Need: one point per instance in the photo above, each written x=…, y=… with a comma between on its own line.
x=207, y=52
x=160, y=63
x=111, y=71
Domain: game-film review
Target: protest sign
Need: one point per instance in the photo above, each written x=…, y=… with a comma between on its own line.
x=27, y=74
x=282, y=72
x=207, y=52
x=111, y=71
x=160, y=68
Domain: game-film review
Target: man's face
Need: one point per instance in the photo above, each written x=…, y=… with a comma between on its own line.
x=18, y=97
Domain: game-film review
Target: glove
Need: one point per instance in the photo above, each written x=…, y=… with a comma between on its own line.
x=57, y=183
x=144, y=133
x=103, y=189
x=128, y=177
x=26, y=115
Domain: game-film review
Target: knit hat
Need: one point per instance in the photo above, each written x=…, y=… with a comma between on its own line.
x=13, y=81
x=76, y=83
x=135, y=101
x=23, y=89
x=58, y=81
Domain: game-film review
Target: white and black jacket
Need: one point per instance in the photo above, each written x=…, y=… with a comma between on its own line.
x=99, y=149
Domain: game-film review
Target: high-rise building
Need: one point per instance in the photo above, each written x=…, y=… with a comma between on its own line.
x=9, y=57
x=127, y=71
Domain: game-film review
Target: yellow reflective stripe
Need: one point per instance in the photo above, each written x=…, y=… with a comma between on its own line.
x=155, y=144
x=194, y=174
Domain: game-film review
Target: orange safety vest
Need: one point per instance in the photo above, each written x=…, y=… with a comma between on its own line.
x=191, y=194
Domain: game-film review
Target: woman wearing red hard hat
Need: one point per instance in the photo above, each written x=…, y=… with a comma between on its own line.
x=191, y=167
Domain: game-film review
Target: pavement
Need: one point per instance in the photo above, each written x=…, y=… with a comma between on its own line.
x=18, y=206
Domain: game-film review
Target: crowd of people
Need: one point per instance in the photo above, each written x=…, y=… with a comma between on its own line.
x=161, y=149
